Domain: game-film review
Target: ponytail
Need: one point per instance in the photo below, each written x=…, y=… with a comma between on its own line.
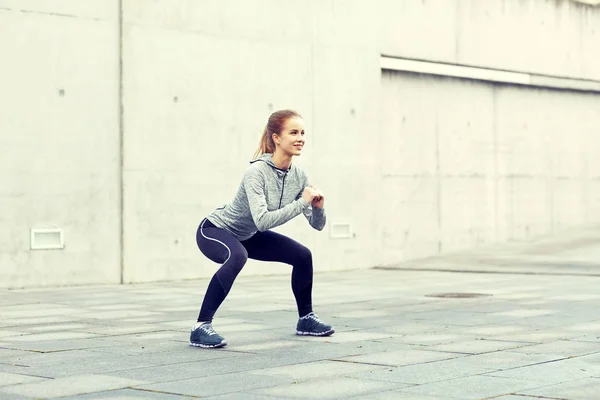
x=275, y=126
x=266, y=144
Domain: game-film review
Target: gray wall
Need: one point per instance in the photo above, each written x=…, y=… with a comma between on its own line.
x=59, y=140
x=414, y=164
x=472, y=163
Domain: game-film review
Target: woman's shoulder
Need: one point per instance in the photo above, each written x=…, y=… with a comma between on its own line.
x=297, y=169
x=257, y=165
x=256, y=168
x=299, y=172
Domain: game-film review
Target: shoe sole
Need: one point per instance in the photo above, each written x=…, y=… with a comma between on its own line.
x=326, y=333
x=209, y=346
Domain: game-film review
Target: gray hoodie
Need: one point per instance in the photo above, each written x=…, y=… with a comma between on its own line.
x=267, y=197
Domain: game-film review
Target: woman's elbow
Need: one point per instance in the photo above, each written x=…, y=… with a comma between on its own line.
x=319, y=227
x=261, y=226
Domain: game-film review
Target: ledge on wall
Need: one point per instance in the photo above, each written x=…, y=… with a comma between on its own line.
x=590, y=2
x=488, y=74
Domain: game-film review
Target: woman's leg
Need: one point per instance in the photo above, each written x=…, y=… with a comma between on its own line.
x=221, y=247
x=272, y=246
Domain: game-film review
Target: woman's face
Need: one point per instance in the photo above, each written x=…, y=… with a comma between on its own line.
x=291, y=139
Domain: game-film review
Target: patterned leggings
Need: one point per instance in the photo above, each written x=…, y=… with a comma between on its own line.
x=221, y=247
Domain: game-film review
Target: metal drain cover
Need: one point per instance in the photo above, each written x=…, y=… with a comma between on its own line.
x=458, y=295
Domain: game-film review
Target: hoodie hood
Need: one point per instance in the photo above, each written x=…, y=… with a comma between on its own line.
x=268, y=158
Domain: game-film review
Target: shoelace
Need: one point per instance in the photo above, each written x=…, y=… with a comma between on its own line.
x=314, y=318
x=208, y=329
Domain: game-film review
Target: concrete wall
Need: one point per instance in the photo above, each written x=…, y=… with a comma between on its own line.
x=473, y=163
x=59, y=140
x=199, y=81
x=554, y=37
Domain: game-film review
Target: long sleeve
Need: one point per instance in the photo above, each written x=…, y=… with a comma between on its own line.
x=254, y=183
x=315, y=216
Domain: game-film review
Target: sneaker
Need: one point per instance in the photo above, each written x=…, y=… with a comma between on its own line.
x=205, y=336
x=311, y=325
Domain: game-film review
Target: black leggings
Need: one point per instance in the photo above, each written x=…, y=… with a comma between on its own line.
x=221, y=247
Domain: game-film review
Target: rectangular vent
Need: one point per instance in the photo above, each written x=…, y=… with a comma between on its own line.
x=341, y=231
x=46, y=239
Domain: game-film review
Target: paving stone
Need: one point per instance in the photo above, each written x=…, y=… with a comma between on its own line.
x=428, y=339
x=46, y=346
x=426, y=372
x=461, y=319
x=61, y=327
x=526, y=313
x=501, y=360
x=564, y=347
x=6, y=334
x=6, y=353
x=348, y=337
x=265, y=346
x=473, y=387
x=7, y=379
x=588, y=337
x=117, y=330
x=407, y=356
x=19, y=323
x=177, y=368
x=246, y=396
x=581, y=389
x=477, y=346
x=495, y=330
x=118, y=306
x=398, y=395
x=318, y=369
x=118, y=314
x=135, y=348
x=48, y=336
x=591, y=327
x=39, y=312
x=72, y=385
x=12, y=396
x=215, y=384
x=337, y=388
x=553, y=372
x=124, y=394
x=149, y=337
x=538, y=335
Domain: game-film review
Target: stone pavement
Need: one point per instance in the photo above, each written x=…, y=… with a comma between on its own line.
x=532, y=333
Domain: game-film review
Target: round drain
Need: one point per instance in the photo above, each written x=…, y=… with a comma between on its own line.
x=458, y=295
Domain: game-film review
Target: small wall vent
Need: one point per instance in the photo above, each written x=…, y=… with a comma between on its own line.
x=47, y=239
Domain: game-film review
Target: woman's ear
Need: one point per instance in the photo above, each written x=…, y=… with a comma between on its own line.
x=276, y=139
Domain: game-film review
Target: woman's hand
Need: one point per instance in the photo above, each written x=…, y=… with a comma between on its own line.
x=319, y=199
x=314, y=197
x=309, y=194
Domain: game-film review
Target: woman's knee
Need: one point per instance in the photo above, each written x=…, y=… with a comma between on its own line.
x=304, y=257
x=238, y=258
x=231, y=268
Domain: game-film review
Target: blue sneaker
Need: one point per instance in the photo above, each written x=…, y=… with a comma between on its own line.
x=311, y=325
x=205, y=336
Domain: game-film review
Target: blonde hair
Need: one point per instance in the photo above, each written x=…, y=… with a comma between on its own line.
x=275, y=125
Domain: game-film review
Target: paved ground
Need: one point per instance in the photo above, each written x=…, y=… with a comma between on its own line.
x=535, y=334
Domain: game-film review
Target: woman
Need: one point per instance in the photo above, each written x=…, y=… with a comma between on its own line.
x=272, y=192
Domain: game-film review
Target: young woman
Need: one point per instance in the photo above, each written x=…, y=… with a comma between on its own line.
x=272, y=192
